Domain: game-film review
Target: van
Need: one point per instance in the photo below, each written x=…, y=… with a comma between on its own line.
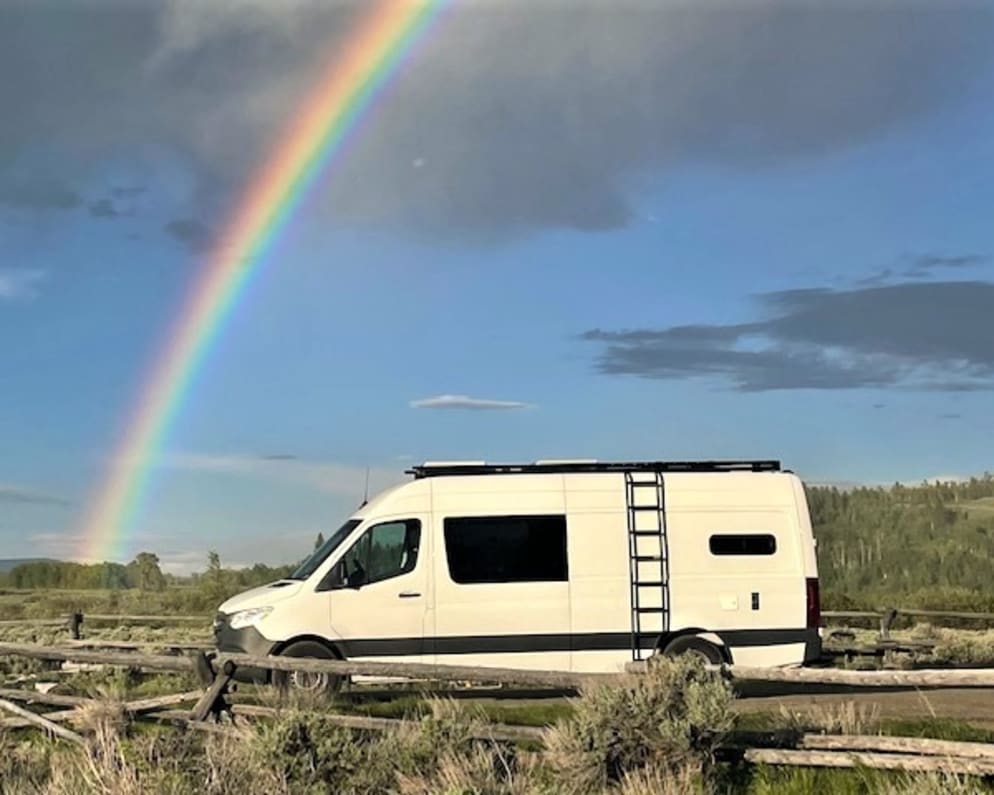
x=558, y=565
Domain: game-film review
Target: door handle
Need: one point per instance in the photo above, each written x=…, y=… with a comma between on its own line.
x=408, y=595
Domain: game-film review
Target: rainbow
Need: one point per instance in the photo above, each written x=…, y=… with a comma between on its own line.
x=334, y=110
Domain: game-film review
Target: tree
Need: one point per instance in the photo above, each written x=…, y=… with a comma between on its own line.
x=319, y=541
x=145, y=573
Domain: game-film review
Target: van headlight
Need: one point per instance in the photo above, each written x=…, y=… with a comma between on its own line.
x=248, y=618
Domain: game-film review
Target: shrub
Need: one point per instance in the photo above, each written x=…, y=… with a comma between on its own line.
x=669, y=719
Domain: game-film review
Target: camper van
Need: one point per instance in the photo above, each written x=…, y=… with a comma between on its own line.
x=558, y=565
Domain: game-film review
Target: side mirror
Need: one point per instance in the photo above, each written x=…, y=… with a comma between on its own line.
x=336, y=579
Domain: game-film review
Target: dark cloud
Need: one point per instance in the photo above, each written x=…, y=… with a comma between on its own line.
x=924, y=266
x=128, y=192
x=278, y=457
x=920, y=335
x=38, y=195
x=950, y=416
x=103, y=208
x=21, y=496
x=190, y=232
x=508, y=117
x=879, y=405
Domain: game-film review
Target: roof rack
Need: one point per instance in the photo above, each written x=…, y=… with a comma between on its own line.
x=430, y=470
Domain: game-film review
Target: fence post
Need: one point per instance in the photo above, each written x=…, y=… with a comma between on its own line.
x=202, y=668
x=75, y=625
x=212, y=701
x=886, y=621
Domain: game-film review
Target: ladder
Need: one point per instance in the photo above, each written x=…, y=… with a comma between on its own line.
x=649, y=569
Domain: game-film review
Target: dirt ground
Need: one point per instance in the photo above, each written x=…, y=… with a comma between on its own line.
x=972, y=705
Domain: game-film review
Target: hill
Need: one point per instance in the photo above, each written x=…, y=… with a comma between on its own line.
x=924, y=546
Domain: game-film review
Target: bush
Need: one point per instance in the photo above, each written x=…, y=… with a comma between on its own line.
x=669, y=719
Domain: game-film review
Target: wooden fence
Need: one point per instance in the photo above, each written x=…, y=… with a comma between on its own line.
x=213, y=701
x=887, y=616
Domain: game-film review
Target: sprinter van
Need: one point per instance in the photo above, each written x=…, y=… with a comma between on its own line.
x=566, y=565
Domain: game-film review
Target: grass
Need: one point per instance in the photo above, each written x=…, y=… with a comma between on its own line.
x=952, y=647
x=983, y=507
x=431, y=757
x=647, y=734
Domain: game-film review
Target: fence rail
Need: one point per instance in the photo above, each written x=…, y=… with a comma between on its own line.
x=887, y=616
x=193, y=661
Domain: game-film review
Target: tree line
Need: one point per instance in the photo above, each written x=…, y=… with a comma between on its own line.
x=928, y=545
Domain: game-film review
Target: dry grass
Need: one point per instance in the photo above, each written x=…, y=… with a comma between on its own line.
x=849, y=717
x=931, y=784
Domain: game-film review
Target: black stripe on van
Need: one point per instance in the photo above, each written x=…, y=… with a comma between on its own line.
x=588, y=641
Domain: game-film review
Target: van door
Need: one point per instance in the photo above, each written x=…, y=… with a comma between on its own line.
x=379, y=592
x=502, y=591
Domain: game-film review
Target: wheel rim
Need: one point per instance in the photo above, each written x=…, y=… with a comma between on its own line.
x=310, y=682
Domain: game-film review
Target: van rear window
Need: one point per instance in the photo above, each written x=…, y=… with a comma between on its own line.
x=483, y=549
x=743, y=544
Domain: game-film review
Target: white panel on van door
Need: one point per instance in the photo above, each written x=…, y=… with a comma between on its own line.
x=389, y=619
x=514, y=624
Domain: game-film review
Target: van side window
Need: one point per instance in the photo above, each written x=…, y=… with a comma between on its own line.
x=484, y=549
x=751, y=544
x=384, y=551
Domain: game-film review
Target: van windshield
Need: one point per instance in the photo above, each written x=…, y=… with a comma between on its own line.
x=319, y=555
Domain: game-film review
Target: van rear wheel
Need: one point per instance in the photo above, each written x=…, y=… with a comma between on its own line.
x=306, y=682
x=707, y=653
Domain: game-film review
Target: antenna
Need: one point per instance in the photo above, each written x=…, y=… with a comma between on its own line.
x=365, y=493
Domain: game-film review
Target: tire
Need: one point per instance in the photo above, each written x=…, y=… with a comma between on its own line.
x=708, y=653
x=300, y=682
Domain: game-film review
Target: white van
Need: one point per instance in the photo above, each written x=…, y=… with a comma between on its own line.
x=561, y=565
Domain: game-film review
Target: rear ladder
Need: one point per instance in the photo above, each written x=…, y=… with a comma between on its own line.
x=648, y=557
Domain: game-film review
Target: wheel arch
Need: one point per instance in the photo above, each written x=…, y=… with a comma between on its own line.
x=331, y=646
x=706, y=635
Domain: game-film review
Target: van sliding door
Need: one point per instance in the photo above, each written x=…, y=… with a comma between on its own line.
x=502, y=591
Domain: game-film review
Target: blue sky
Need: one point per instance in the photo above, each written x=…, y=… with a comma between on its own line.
x=789, y=256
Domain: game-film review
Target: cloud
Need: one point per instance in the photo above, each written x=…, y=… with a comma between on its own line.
x=278, y=457
x=12, y=494
x=103, y=208
x=466, y=402
x=128, y=191
x=190, y=232
x=522, y=115
x=926, y=265
x=20, y=282
x=931, y=336
x=40, y=195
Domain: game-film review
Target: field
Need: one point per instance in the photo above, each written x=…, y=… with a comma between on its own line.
x=629, y=740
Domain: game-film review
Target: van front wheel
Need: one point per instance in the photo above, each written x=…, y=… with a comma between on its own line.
x=306, y=682
x=708, y=653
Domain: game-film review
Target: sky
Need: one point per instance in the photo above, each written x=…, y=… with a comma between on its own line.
x=620, y=231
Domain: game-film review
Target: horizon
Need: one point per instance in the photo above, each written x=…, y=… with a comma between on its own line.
x=714, y=231
x=188, y=566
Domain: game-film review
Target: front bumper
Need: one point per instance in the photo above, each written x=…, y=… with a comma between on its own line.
x=247, y=640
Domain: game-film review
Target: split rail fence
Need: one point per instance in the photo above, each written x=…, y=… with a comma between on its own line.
x=213, y=705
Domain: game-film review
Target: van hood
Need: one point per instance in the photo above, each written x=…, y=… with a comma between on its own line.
x=263, y=596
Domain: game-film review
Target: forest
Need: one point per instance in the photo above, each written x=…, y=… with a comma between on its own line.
x=929, y=546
